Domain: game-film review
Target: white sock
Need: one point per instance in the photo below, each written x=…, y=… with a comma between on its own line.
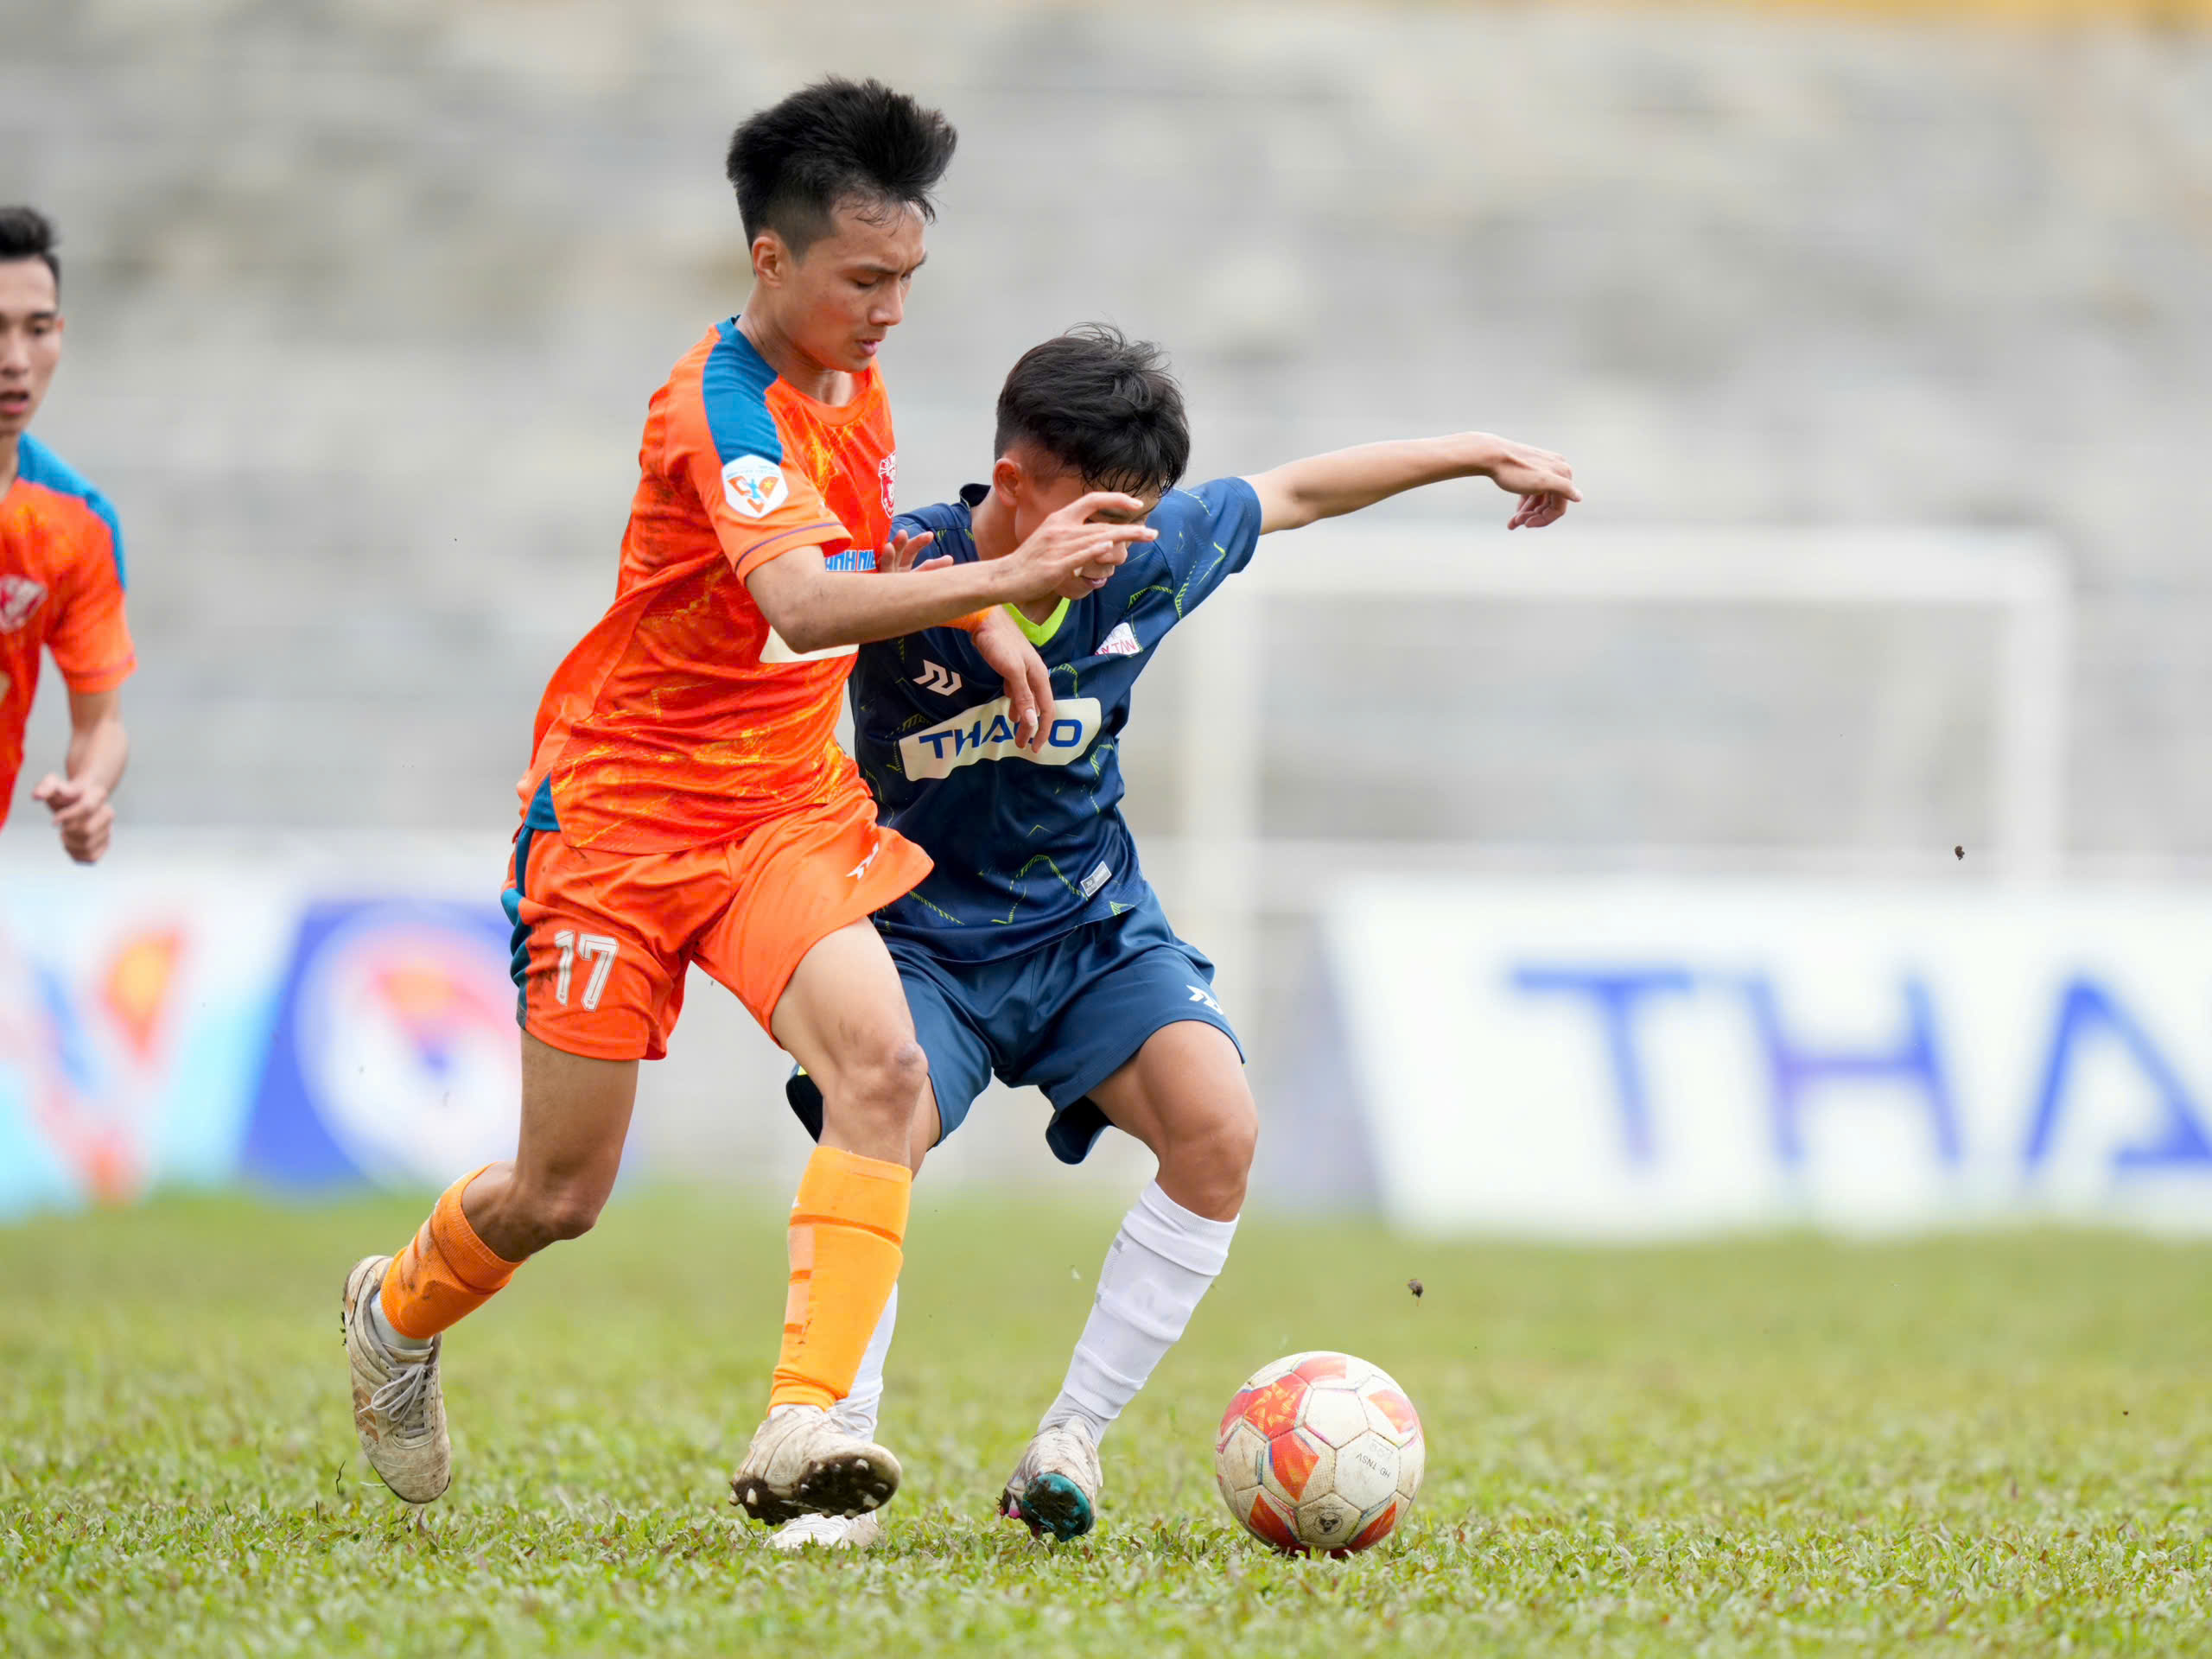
x=1158, y=1267
x=855, y=1413
x=403, y=1347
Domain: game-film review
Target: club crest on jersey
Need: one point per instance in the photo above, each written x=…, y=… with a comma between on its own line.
x=1122, y=642
x=986, y=733
x=754, y=485
x=19, y=597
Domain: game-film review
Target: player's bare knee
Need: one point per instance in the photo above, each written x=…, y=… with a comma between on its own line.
x=882, y=1089
x=558, y=1211
x=1211, y=1158
x=1225, y=1139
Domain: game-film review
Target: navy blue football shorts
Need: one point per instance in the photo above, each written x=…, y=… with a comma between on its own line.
x=1062, y=1018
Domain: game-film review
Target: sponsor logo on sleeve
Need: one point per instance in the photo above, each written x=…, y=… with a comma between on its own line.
x=1097, y=879
x=754, y=485
x=987, y=733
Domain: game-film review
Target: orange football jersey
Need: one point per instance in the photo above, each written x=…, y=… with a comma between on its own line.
x=61, y=590
x=682, y=719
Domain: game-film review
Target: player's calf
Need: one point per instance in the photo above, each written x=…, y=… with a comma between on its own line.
x=519, y=1214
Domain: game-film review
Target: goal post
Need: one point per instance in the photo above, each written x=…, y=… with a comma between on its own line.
x=2020, y=576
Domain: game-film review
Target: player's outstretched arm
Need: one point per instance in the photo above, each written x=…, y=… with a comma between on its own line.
x=814, y=607
x=99, y=749
x=1345, y=480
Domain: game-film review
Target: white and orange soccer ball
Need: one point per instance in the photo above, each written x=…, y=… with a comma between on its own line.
x=1320, y=1450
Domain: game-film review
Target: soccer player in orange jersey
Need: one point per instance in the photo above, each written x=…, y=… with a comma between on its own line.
x=60, y=561
x=687, y=801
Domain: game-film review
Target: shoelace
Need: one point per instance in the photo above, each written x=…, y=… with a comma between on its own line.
x=405, y=1395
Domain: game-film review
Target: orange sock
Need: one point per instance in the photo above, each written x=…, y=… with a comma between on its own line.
x=446, y=1273
x=849, y=1224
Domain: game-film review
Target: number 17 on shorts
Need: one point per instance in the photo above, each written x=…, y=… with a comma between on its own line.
x=598, y=952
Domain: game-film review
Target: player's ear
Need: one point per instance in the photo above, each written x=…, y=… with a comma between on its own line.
x=1007, y=477
x=771, y=260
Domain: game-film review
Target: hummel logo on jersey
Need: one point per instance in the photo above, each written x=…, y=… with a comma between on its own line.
x=1122, y=642
x=754, y=485
x=986, y=733
x=935, y=676
x=866, y=864
x=19, y=597
x=1200, y=993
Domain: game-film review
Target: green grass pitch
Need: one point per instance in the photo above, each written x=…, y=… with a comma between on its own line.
x=1982, y=1445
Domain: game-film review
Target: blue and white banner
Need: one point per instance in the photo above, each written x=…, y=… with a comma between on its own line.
x=188, y=1022
x=1630, y=1059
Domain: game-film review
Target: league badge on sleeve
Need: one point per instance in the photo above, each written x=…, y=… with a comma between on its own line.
x=19, y=597
x=754, y=485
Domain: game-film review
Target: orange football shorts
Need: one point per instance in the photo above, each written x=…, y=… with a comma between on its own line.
x=602, y=939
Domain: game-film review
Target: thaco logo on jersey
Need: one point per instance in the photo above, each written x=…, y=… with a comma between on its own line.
x=754, y=485
x=987, y=734
x=19, y=597
x=1122, y=642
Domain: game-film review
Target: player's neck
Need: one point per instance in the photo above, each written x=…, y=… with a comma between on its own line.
x=810, y=379
x=991, y=528
x=10, y=444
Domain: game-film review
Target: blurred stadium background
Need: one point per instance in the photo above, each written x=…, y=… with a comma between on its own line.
x=1591, y=904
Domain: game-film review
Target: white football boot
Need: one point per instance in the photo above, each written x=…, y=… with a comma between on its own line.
x=827, y=1532
x=802, y=1462
x=1054, y=1489
x=399, y=1409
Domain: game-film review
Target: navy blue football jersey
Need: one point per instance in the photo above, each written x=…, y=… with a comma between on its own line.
x=1029, y=846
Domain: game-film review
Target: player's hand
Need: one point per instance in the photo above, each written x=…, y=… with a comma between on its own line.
x=1070, y=553
x=1028, y=682
x=1544, y=482
x=905, y=549
x=81, y=813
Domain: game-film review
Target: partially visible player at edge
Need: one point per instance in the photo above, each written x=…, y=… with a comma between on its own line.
x=1036, y=948
x=60, y=561
x=687, y=802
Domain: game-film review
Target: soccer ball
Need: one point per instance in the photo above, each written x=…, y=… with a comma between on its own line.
x=1320, y=1450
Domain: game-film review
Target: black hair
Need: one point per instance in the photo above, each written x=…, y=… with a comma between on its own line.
x=1102, y=403
x=836, y=141
x=26, y=233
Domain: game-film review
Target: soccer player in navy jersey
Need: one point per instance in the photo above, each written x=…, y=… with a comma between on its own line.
x=1035, y=949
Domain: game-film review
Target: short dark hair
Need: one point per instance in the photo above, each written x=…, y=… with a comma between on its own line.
x=1102, y=403
x=26, y=233
x=837, y=141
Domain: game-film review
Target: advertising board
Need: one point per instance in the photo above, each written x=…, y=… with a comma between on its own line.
x=1601, y=1058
